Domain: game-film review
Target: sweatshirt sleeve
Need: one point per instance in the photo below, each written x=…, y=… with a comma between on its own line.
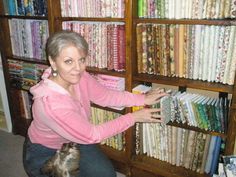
x=103, y=96
x=70, y=122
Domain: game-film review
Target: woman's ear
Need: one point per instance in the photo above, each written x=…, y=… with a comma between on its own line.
x=52, y=63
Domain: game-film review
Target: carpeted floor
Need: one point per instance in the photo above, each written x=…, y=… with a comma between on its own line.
x=11, y=155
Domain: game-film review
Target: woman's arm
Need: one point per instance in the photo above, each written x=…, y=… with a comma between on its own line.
x=103, y=96
x=71, y=122
x=107, y=97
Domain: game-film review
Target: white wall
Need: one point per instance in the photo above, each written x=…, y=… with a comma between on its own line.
x=4, y=100
x=1, y=105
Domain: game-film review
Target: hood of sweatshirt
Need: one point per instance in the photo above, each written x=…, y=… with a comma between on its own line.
x=47, y=87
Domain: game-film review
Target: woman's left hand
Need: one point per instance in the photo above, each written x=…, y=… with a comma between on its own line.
x=154, y=96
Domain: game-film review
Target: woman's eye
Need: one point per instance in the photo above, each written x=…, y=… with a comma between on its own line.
x=82, y=60
x=68, y=61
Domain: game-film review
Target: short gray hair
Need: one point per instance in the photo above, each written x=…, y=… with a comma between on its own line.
x=62, y=39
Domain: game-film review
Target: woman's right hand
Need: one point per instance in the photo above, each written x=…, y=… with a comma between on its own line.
x=148, y=115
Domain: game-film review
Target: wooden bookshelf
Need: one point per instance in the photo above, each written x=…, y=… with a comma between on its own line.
x=20, y=124
x=142, y=165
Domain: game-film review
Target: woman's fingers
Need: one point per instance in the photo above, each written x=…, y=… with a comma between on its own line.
x=154, y=115
x=154, y=96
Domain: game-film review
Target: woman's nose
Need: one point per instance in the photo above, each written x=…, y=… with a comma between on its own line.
x=77, y=65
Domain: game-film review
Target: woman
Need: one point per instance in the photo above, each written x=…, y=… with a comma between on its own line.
x=61, y=109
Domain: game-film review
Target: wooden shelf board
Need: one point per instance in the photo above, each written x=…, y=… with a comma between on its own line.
x=105, y=71
x=188, y=83
x=162, y=168
x=101, y=19
x=185, y=126
x=109, y=109
x=186, y=21
x=24, y=17
x=30, y=60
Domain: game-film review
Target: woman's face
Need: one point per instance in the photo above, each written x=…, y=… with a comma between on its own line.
x=70, y=64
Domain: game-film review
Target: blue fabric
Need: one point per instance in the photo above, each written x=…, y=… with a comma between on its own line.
x=93, y=162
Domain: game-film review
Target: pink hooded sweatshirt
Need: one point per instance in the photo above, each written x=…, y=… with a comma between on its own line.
x=59, y=118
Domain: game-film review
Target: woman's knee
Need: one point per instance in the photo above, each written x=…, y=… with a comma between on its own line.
x=34, y=156
x=94, y=163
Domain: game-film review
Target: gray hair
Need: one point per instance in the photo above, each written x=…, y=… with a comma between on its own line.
x=62, y=39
